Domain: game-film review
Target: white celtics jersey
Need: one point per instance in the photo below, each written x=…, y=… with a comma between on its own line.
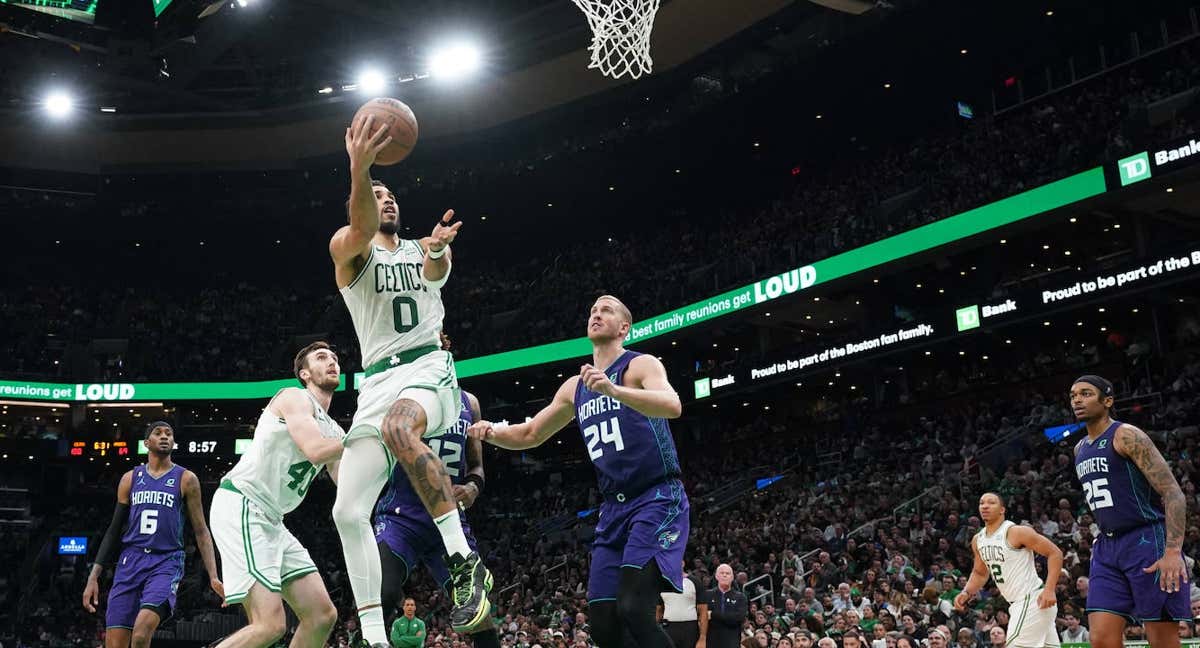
x=393, y=308
x=274, y=473
x=1012, y=569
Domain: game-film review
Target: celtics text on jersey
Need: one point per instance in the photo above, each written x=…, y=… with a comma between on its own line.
x=1012, y=569
x=393, y=307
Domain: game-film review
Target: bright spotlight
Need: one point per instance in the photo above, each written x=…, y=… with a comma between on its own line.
x=454, y=61
x=59, y=103
x=371, y=81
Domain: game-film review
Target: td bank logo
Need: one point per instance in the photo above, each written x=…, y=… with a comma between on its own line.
x=967, y=318
x=1134, y=168
x=703, y=388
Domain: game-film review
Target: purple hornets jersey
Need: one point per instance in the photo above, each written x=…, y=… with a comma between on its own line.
x=629, y=450
x=1114, y=487
x=450, y=446
x=155, y=511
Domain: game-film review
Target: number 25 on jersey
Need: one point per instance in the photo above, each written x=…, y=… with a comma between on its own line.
x=599, y=435
x=1097, y=494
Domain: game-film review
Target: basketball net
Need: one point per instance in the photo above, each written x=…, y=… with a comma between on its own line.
x=620, y=35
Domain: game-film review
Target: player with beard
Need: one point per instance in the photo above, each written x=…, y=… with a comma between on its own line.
x=150, y=507
x=392, y=288
x=1138, y=573
x=264, y=565
x=643, y=528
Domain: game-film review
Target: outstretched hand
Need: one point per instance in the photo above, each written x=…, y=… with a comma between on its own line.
x=444, y=232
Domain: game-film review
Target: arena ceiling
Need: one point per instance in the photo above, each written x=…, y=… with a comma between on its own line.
x=206, y=56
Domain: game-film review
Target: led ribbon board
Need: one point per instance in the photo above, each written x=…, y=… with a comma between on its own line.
x=947, y=230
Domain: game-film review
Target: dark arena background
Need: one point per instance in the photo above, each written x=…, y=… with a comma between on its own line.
x=873, y=244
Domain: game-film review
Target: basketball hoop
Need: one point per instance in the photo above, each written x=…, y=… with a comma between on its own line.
x=620, y=35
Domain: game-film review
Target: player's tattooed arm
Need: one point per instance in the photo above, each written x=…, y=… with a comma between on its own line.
x=1140, y=449
x=1134, y=444
x=536, y=431
x=204, y=544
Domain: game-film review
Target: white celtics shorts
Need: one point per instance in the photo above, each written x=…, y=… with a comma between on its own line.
x=253, y=546
x=1029, y=626
x=429, y=380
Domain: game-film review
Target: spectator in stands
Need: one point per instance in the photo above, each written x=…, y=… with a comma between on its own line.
x=1074, y=632
x=997, y=637
x=727, y=609
x=407, y=630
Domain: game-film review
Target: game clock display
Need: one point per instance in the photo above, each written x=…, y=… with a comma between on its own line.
x=204, y=447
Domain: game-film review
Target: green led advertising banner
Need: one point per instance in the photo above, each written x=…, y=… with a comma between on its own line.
x=101, y=392
x=948, y=230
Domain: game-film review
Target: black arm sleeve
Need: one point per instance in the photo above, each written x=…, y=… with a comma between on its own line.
x=106, y=555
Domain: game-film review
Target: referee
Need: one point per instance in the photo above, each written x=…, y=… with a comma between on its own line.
x=684, y=617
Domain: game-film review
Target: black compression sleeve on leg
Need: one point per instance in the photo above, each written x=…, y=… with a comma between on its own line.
x=106, y=555
x=486, y=639
x=605, y=623
x=395, y=575
x=637, y=597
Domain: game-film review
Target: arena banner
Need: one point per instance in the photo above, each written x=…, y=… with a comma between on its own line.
x=947, y=230
x=119, y=392
x=1144, y=165
x=942, y=323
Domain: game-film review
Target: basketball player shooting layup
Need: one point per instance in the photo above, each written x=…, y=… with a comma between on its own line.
x=1138, y=573
x=150, y=507
x=392, y=288
x=643, y=526
x=1004, y=552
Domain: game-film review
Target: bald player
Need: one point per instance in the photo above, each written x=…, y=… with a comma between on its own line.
x=622, y=400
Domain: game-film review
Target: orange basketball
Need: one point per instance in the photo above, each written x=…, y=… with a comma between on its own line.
x=402, y=126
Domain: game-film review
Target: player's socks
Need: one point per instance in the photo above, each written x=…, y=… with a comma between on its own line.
x=450, y=526
x=371, y=621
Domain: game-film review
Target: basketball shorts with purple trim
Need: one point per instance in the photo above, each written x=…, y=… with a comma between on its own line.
x=1117, y=584
x=418, y=542
x=650, y=526
x=142, y=580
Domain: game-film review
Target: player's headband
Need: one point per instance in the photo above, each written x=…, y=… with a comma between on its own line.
x=1105, y=387
x=157, y=424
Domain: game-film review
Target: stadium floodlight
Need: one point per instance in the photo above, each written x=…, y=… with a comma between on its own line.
x=59, y=103
x=371, y=81
x=455, y=60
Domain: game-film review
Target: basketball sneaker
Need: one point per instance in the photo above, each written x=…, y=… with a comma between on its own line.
x=471, y=581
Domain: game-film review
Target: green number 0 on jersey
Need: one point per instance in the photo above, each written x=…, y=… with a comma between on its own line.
x=400, y=305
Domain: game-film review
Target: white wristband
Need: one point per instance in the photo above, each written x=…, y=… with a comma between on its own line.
x=437, y=254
